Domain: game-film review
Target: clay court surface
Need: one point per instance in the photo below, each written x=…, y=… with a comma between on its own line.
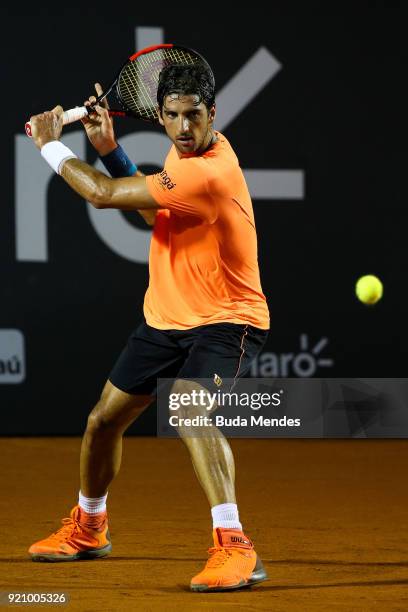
x=328, y=518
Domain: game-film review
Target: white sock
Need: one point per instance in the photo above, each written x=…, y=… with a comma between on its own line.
x=92, y=505
x=226, y=515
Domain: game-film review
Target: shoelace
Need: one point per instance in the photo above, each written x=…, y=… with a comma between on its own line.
x=70, y=527
x=218, y=556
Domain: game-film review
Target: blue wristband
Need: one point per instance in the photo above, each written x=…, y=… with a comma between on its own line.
x=118, y=164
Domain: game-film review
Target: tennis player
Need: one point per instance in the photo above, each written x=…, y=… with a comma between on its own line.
x=205, y=316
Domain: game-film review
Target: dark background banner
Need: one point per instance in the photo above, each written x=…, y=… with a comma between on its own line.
x=312, y=104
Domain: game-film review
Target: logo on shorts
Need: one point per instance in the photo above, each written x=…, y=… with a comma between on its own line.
x=217, y=380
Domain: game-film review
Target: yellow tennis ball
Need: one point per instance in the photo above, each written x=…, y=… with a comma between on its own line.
x=369, y=289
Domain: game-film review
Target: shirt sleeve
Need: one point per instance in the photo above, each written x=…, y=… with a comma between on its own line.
x=184, y=189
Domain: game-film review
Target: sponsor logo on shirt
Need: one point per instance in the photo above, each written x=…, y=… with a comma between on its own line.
x=165, y=181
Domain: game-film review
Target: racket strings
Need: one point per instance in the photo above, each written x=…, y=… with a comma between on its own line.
x=136, y=96
x=129, y=86
x=149, y=68
x=142, y=74
x=137, y=83
x=145, y=72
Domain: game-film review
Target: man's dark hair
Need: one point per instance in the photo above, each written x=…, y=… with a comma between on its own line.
x=187, y=79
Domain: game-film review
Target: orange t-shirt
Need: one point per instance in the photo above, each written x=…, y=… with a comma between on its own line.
x=203, y=256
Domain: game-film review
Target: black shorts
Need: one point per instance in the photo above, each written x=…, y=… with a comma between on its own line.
x=216, y=351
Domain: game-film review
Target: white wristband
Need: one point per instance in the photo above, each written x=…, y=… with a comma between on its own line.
x=56, y=154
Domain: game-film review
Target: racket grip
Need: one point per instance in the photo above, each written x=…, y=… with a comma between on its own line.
x=69, y=116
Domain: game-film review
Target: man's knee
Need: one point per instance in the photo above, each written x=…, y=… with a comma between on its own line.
x=190, y=404
x=189, y=398
x=100, y=420
x=116, y=410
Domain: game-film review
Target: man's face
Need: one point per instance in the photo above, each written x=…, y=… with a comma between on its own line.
x=187, y=124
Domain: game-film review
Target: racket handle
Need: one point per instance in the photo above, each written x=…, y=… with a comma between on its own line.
x=69, y=116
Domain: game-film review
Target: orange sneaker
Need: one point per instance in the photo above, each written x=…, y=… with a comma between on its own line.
x=233, y=563
x=73, y=542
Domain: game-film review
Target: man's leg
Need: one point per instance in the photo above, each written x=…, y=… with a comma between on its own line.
x=219, y=353
x=225, y=351
x=233, y=562
x=85, y=535
x=209, y=450
x=147, y=354
x=213, y=463
x=101, y=450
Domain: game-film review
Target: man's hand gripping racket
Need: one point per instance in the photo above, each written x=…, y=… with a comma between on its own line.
x=136, y=84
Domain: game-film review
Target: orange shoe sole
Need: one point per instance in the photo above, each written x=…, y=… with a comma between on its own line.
x=92, y=553
x=258, y=575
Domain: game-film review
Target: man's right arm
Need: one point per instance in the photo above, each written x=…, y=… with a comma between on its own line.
x=99, y=129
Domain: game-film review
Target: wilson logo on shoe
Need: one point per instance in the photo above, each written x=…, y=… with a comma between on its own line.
x=239, y=539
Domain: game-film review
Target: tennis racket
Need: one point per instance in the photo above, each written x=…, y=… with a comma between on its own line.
x=136, y=84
